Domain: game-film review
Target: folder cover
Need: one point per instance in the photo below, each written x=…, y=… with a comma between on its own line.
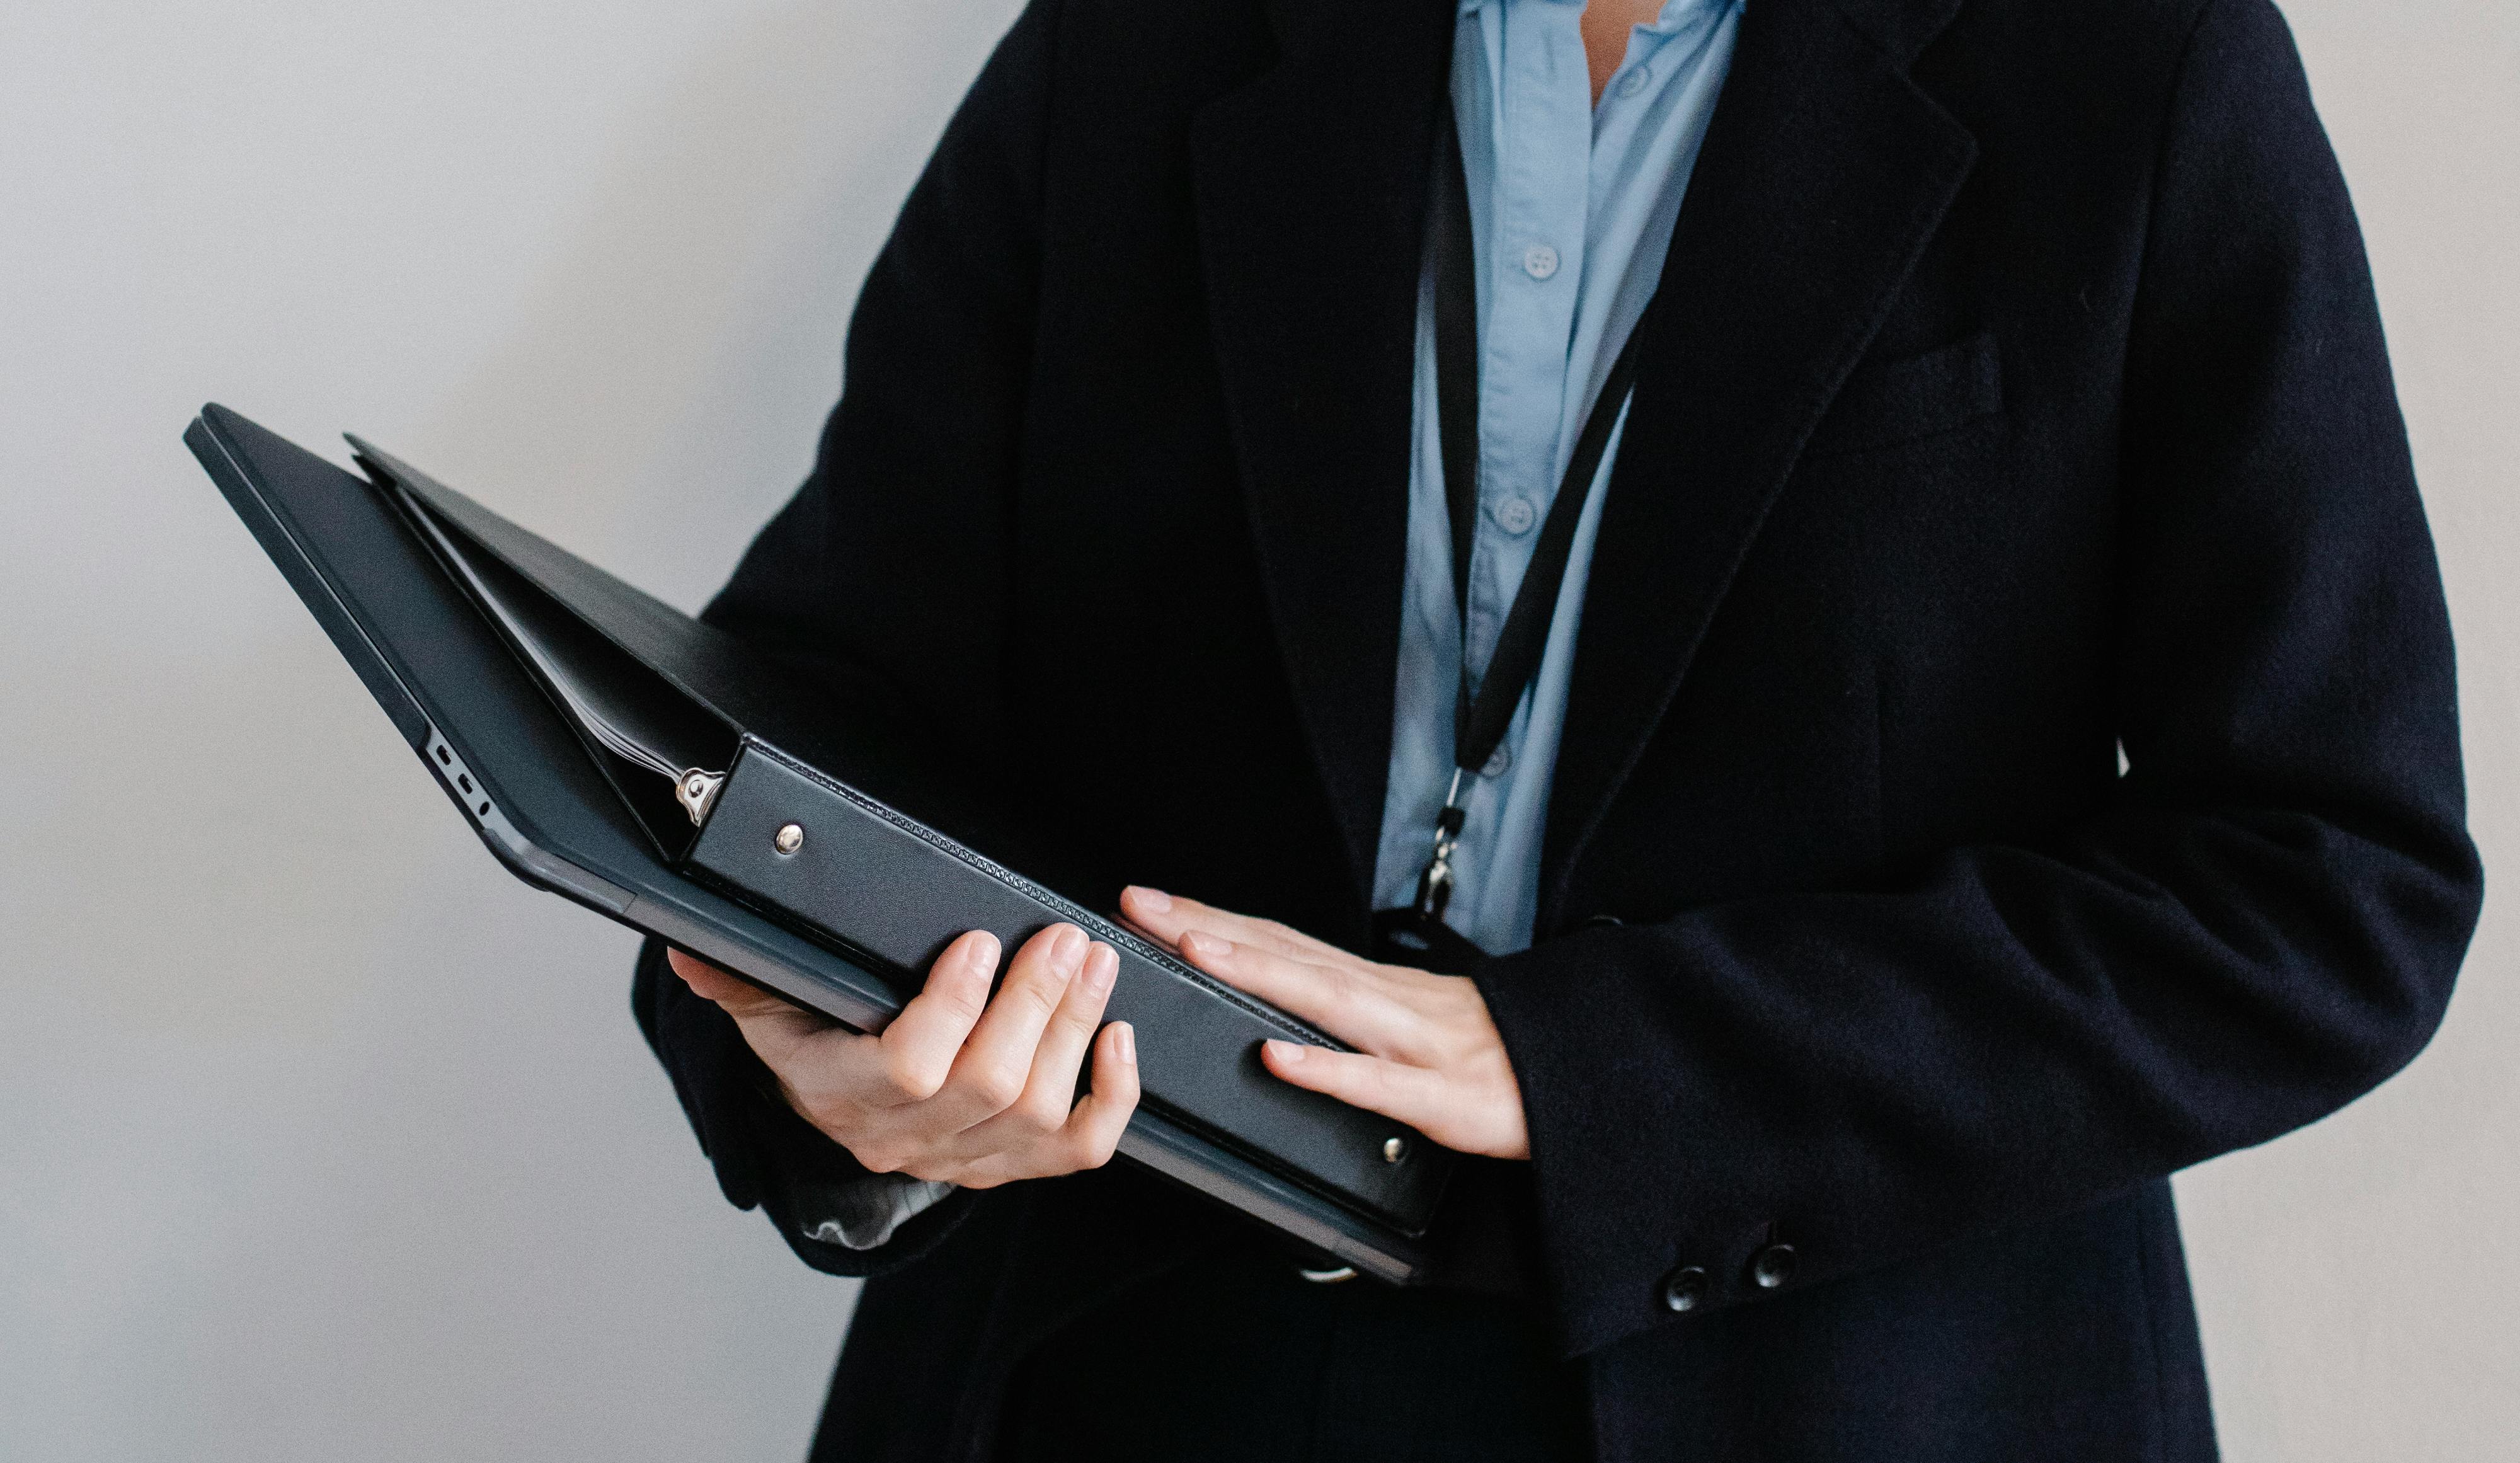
x=611, y=750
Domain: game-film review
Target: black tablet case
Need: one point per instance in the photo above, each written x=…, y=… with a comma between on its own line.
x=407, y=577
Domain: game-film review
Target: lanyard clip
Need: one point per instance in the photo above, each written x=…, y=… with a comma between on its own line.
x=1435, y=886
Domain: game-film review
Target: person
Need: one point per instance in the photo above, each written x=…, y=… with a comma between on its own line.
x=1982, y=738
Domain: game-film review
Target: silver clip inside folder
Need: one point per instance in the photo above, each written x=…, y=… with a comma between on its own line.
x=697, y=791
x=623, y=719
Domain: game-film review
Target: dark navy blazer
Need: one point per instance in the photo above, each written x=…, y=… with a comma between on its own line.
x=2030, y=403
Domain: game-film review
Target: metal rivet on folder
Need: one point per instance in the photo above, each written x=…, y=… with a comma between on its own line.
x=1394, y=1150
x=790, y=838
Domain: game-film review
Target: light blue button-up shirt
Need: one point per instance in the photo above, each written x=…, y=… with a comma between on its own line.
x=1572, y=208
x=1571, y=211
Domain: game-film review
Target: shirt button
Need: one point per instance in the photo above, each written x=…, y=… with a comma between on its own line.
x=1774, y=1267
x=1635, y=81
x=1540, y=261
x=1499, y=762
x=1514, y=515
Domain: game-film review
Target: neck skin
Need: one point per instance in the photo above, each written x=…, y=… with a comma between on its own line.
x=1607, y=24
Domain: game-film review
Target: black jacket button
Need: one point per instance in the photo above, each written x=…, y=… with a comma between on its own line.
x=1683, y=1289
x=1773, y=1266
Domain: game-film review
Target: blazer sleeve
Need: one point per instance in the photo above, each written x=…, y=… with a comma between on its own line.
x=883, y=582
x=2263, y=925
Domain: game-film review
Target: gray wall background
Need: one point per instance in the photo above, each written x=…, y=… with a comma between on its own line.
x=319, y=1137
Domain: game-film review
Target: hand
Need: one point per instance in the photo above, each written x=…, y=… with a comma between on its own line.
x=1427, y=1052
x=960, y=1089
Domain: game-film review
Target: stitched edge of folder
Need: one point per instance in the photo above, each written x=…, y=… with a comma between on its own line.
x=1162, y=959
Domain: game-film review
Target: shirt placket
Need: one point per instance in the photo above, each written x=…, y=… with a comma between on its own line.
x=1535, y=258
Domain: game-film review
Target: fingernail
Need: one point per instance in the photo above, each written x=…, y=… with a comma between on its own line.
x=982, y=953
x=1124, y=1045
x=1067, y=949
x=1102, y=963
x=1202, y=946
x=1286, y=1051
x=1152, y=900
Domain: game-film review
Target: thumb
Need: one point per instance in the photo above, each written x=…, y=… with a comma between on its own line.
x=739, y=997
x=779, y=1032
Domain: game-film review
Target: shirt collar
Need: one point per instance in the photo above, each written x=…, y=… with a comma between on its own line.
x=1674, y=13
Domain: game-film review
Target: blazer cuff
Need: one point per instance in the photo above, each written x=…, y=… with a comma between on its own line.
x=864, y=1216
x=836, y=1215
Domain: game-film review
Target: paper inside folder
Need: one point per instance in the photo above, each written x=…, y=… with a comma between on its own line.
x=616, y=703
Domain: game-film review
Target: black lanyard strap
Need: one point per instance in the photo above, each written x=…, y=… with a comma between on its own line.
x=1484, y=709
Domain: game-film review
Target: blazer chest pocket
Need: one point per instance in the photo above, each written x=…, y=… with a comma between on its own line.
x=1884, y=403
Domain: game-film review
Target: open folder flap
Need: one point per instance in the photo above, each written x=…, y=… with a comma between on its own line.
x=734, y=683
x=714, y=670
x=666, y=752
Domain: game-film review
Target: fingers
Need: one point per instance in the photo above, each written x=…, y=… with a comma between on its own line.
x=1412, y=1096
x=962, y=1086
x=919, y=1047
x=1050, y=1094
x=1165, y=918
x=1092, y=1132
x=1094, y=1129
x=1477, y=1109
x=1346, y=1002
x=996, y=1061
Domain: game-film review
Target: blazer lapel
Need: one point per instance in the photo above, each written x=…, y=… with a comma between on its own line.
x=1824, y=173
x=1311, y=186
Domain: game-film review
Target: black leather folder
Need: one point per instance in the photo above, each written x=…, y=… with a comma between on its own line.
x=615, y=752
